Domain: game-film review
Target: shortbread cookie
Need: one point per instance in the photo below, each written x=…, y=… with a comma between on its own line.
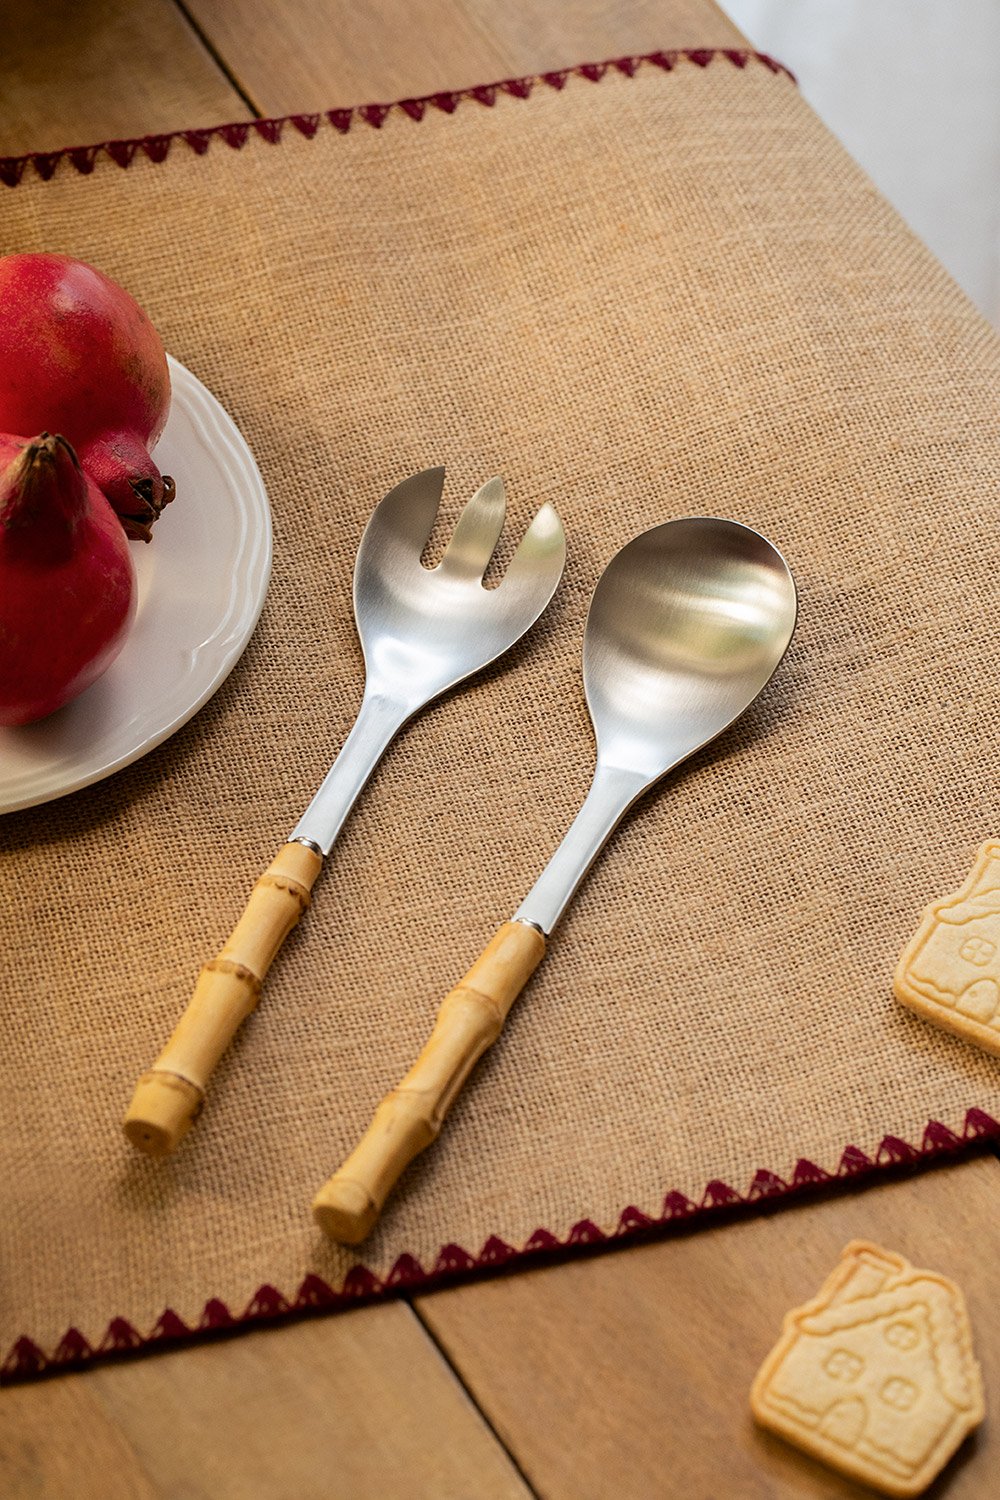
x=950, y=971
x=876, y=1375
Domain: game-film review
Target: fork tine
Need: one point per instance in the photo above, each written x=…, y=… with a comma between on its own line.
x=476, y=533
x=537, y=565
x=407, y=512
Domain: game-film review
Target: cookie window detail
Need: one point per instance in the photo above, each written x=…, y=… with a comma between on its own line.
x=902, y=1336
x=978, y=951
x=841, y=1364
x=899, y=1393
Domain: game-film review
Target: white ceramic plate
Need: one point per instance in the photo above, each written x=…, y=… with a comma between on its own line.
x=202, y=582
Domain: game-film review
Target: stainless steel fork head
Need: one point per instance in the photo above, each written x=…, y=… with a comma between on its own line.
x=423, y=629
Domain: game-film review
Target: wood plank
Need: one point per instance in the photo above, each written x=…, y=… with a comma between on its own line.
x=603, y=1376
x=359, y=1406
x=57, y=1441
x=72, y=73
x=315, y=54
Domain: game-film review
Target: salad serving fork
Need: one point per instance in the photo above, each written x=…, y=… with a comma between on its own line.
x=422, y=631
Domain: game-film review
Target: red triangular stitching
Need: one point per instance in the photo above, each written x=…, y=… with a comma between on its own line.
x=45, y=163
x=585, y=1232
x=215, y=1315
x=25, y=1358
x=266, y=1302
x=361, y=1282
x=542, y=1239
x=314, y=1292
x=235, y=135
x=495, y=1252
x=156, y=147
x=169, y=1327
x=720, y=1195
x=198, y=140
x=807, y=1174
x=120, y=1336
x=938, y=1137
x=83, y=158
x=121, y=152
x=73, y=1348
x=452, y=1258
x=980, y=1126
x=631, y=1220
x=766, y=1184
x=895, y=1151
x=306, y=125
x=407, y=1271
x=853, y=1161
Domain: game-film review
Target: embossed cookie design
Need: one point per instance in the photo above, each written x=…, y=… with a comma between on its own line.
x=950, y=971
x=876, y=1375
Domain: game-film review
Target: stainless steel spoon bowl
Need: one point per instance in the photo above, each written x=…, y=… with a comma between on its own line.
x=686, y=626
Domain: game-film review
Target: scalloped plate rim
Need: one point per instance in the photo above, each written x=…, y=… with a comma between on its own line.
x=245, y=526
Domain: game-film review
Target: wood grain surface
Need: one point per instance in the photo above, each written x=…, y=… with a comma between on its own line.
x=604, y=1376
x=315, y=54
x=72, y=73
x=622, y=1376
x=359, y=1407
x=625, y=1374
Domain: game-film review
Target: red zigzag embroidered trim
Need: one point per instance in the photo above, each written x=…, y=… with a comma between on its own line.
x=26, y=1360
x=157, y=147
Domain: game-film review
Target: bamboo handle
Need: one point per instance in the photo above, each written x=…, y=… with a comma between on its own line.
x=169, y=1097
x=409, y=1118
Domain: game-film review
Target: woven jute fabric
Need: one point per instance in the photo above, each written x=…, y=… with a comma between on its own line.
x=638, y=298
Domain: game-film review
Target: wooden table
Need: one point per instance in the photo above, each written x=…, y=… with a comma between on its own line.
x=623, y=1374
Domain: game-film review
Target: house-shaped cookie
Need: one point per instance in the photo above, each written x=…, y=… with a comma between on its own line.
x=950, y=971
x=876, y=1375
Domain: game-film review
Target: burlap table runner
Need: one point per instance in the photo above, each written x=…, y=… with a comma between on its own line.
x=637, y=297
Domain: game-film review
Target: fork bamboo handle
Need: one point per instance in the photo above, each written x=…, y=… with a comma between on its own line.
x=169, y=1097
x=409, y=1118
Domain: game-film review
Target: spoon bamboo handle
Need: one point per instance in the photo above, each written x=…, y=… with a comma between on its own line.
x=169, y=1097
x=409, y=1118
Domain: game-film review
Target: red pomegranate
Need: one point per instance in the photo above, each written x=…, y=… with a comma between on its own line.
x=67, y=584
x=79, y=356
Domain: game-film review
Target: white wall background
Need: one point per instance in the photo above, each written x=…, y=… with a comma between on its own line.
x=912, y=89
